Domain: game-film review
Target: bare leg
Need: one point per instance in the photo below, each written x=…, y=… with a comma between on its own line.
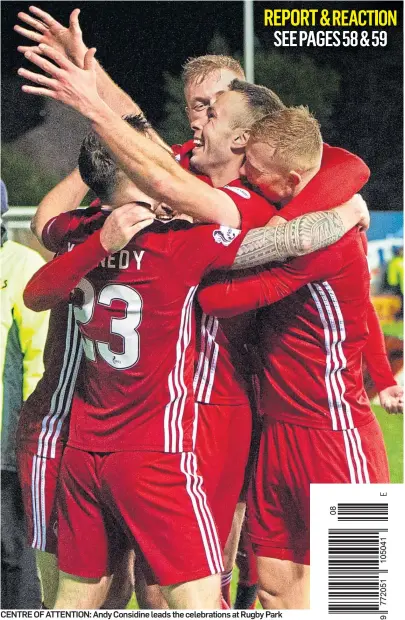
x=148, y=597
x=283, y=584
x=79, y=593
x=47, y=564
x=230, y=551
x=199, y=594
x=231, y=547
x=122, y=584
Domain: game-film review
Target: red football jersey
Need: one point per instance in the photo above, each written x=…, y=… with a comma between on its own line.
x=311, y=340
x=135, y=312
x=45, y=415
x=183, y=152
x=222, y=365
x=222, y=373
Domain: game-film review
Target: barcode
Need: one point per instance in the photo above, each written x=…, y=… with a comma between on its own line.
x=362, y=512
x=354, y=573
x=356, y=553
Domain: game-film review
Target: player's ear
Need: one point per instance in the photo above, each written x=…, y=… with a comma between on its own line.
x=294, y=178
x=240, y=137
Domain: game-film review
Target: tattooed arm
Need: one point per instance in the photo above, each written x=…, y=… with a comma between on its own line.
x=301, y=236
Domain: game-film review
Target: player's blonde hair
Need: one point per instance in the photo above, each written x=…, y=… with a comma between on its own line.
x=294, y=134
x=195, y=70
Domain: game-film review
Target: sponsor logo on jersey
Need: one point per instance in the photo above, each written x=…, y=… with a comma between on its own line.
x=225, y=235
x=238, y=190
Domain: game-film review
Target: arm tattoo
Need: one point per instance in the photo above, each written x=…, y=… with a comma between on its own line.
x=302, y=235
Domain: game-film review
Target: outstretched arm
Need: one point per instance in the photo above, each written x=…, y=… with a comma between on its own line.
x=69, y=42
x=152, y=169
x=149, y=166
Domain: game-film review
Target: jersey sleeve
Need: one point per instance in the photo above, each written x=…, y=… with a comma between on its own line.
x=57, y=229
x=229, y=294
x=71, y=226
x=375, y=353
x=254, y=210
x=342, y=174
x=54, y=282
x=203, y=248
x=183, y=152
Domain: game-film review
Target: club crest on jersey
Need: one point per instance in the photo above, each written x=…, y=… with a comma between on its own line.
x=225, y=235
x=241, y=191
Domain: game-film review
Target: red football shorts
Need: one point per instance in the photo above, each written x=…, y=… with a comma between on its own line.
x=38, y=479
x=222, y=448
x=150, y=501
x=290, y=458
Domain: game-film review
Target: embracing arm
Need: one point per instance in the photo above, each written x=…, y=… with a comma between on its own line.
x=69, y=41
x=227, y=295
x=54, y=281
x=301, y=236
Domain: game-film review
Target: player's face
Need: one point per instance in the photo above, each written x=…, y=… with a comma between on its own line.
x=216, y=145
x=263, y=172
x=200, y=96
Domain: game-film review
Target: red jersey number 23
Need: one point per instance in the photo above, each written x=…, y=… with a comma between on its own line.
x=124, y=327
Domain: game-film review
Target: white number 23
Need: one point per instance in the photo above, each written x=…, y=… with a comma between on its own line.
x=124, y=327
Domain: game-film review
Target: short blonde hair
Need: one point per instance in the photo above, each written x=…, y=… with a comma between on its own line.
x=197, y=69
x=294, y=134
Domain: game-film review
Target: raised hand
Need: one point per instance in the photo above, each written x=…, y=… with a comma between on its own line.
x=392, y=399
x=67, y=41
x=68, y=83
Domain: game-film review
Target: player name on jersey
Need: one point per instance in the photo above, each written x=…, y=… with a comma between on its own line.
x=119, y=260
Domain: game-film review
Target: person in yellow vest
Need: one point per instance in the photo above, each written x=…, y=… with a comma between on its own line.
x=395, y=277
x=23, y=335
